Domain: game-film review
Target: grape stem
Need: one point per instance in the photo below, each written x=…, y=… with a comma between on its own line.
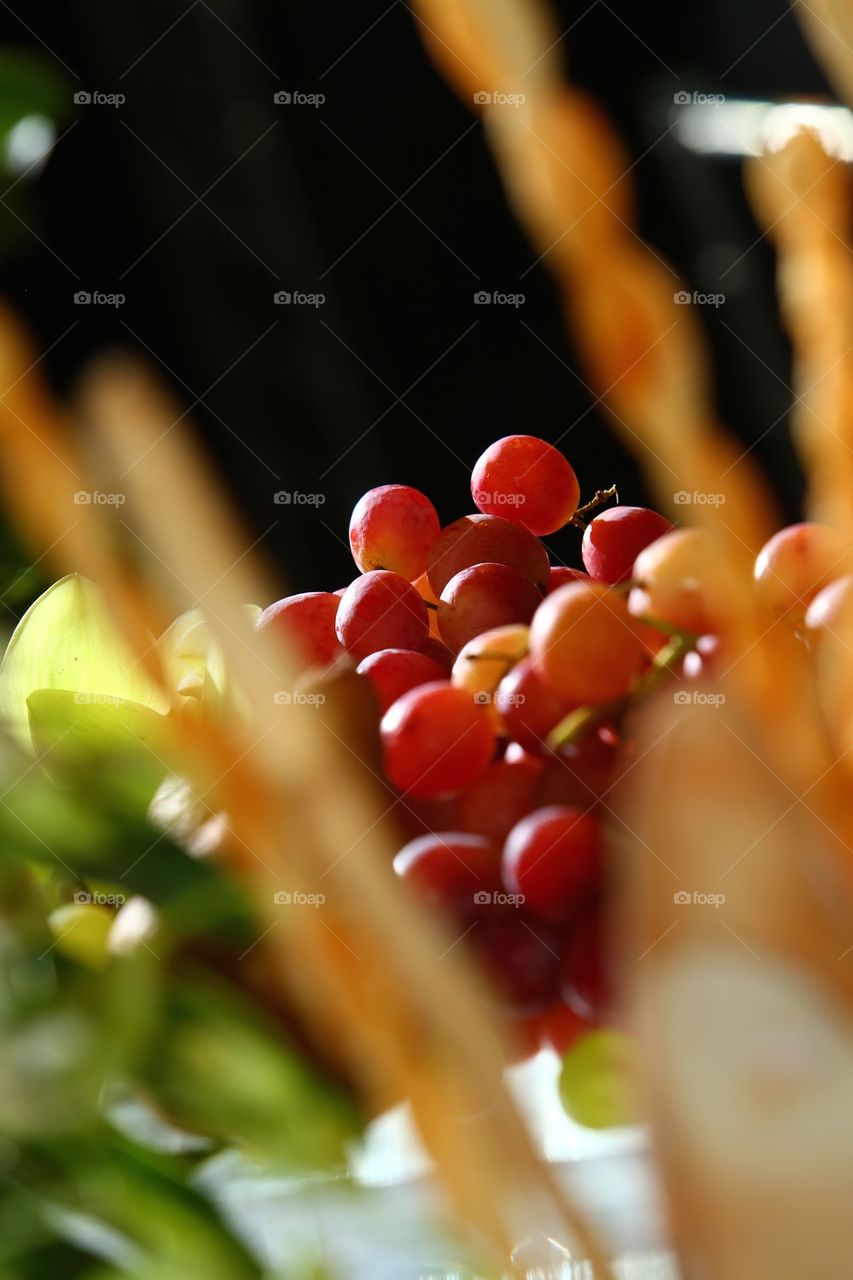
x=597, y=500
x=577, y=724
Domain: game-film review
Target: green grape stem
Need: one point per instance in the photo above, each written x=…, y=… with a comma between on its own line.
x=598, y=499
x=577, y=724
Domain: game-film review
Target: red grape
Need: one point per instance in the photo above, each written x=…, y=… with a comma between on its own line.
x=482, y=598
x=794, y=566
x=614, y=538
x=528, y=481
x=448, y=868
x=560, y=1027
x=553, y=858
x=584, y=643
x=672, y=576
x=586, y=980
x=307, y=622
x=497, y=801
x=522, y=957
x=437, y=739
x=579, y=773
x=698, y=663
x=481, y=539
x=381, y=610
x=393, y=527
x=393, y=672
x=528, y=709
x=560, y=574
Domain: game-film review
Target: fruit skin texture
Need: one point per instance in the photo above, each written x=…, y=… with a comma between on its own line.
x=596, y=1081
x=584, y=644
x=528, y=481
x=307, y=621
x=448, y=868
x=393, y=672
x=793, y=566
x=393, y=527
x=436, y=740
x=381, y=610
x=673, y=586
x=560, y=574
x=553, y=858
x=614, y=538
x=492, y=806
x=528, y=708
x=482, y=539
x=483, y=598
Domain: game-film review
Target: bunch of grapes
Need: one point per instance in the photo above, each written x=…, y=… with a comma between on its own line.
x=503, y=686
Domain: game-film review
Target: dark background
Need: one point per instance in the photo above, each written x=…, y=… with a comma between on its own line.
x=200, y=198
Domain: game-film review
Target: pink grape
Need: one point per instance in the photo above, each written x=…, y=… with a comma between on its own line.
x=522, y=957
x=307, y=622
x=793, y=566
x=560, y=574
x=528, y=481
x=393, y=672
x=584, y=644
x=529, y=710
x=553, y=858
x=493, y=805
x=672, y=576
x=448, y=868
x=614, y=538
x=381, y=610
x=393, y=527
x=436, y=740
x=482, y=598
x=586, y=979
x=482, y=539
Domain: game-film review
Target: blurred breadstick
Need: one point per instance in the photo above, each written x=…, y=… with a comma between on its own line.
x=828, y=24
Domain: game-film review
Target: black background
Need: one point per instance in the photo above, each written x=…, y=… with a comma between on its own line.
x=200, y=198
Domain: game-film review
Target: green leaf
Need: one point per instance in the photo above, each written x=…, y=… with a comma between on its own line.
x=78, y=725
x=67, y=640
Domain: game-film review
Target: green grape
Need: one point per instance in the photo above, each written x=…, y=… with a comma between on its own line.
x=596, y=1080
x=82, y=932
